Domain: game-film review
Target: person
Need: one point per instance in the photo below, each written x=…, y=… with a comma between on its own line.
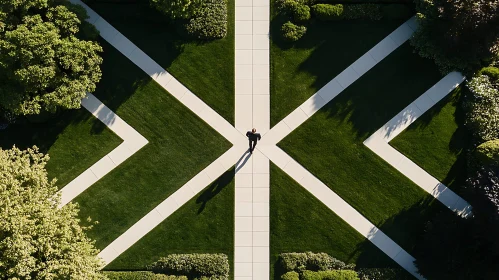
x=253, y=137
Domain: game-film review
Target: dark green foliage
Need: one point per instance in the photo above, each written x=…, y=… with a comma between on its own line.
x=396, y=11
x=384, y=274
x=310, y=261
x=301, y=12
x=327, y=12
x=362, y=11
x=210, y=22
x=291, y=275
x=330, y=275
x=487, y=153
x=140, y=275
x=482, y=106
x=194, y=265
x=292, y=32
x=491, y=72
x=458, y=35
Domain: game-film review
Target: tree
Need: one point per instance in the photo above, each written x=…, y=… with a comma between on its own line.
x=43, y=64
x=178, y=9
x=458, y=34
x=39, y=240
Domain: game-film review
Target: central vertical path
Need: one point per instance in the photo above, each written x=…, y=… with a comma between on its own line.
x=252, y=225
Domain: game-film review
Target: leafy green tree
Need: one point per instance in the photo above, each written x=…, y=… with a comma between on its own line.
x=43, y=64
x=458, y=35
x=39, y=240
x=178, y=9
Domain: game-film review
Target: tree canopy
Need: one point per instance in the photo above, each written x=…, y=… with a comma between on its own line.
x=43, y=63
x=458, y=34
x=39, y=240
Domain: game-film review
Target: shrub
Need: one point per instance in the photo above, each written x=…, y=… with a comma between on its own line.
x=485, y=182
x=362, y=11
x=483, y=109
x=213, y=266
x=488, y=153
x=292, y=32
x=491, y=72
x=310, y=261
x=291, y=275
x=396, y=11
x=330, y=275
x=383, y=274
x=210, y=22
x=327, y=12
x=140, y=275
x=301, y=13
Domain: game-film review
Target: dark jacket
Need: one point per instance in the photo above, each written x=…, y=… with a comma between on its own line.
x=253, y=136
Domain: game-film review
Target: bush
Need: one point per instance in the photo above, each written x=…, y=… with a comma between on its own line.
x=327, y=12
x=139, y=275
x=483, y=109
x=330, y=275
x=488, y=153
x=310, y=261
x=210, y=22
x=213, y=266
x=384, y=274
x=301, y=12
x=292, y=32
x=491, y=72
x=362, y=11
x=291, y=275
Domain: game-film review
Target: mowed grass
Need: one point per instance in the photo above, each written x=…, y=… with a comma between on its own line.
x=298, y=70
x=438, y=140
x=299, y=222
x=74, y=140
x=180, y=146
x=205, y=224
x=206, y=68
x=329, y=145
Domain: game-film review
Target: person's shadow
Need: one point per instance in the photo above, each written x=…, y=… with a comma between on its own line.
x=215, y=188
x=242, y=160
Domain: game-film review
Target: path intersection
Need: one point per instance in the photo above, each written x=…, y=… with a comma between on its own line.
x=252, y=179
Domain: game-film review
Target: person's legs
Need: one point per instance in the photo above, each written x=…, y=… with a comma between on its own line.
x=250, y=144
x=254, y=145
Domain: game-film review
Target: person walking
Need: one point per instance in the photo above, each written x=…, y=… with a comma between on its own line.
x=253, y=137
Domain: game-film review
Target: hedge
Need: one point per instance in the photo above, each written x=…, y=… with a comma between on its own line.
x=291, y=275
x=292, y=32
x=310, y=261
x=139, y=275
x=488, y=153
x=491, y=72
x=384, y=274
x=210, y=21
x=327, y=12
x=213, y=266
x=483, y=109
x=330, y=275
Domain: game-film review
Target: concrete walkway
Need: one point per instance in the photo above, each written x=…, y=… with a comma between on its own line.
x=252, y=177
x=252, y=90
x=378, y=143
x=132, y=142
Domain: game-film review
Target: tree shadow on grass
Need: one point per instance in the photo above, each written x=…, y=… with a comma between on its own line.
x=214, y=189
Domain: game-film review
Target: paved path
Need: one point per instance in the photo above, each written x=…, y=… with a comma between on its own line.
x=252, y=89
x=132, y=142
x=252, y=222
x=378, y=143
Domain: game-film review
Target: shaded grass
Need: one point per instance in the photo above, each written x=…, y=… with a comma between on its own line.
x=438, y=140
x=299, y=222
x=329, y=144
x=180, y=146
x=299, y=70
x=74, y=140
x=206, y=68
x=205, y=224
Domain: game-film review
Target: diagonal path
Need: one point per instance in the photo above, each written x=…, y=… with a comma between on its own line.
x=378, y=143
x=252, y=90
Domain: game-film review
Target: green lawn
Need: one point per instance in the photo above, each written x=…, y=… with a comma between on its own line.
x=329, y=144
x=206, y=68
x=299, y=70
x=205, y=224
x=180, y=146
x=74, y=140
x=438, y=141
x=300, y=223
